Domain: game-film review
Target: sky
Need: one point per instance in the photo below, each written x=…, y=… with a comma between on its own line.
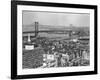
x=56, y=19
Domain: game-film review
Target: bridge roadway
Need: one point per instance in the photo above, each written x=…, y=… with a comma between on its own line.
x=49, y=31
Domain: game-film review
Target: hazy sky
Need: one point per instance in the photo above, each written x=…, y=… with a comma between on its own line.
x=56, y=19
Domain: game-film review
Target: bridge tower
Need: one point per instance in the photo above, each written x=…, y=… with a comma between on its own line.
x=36, y=29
